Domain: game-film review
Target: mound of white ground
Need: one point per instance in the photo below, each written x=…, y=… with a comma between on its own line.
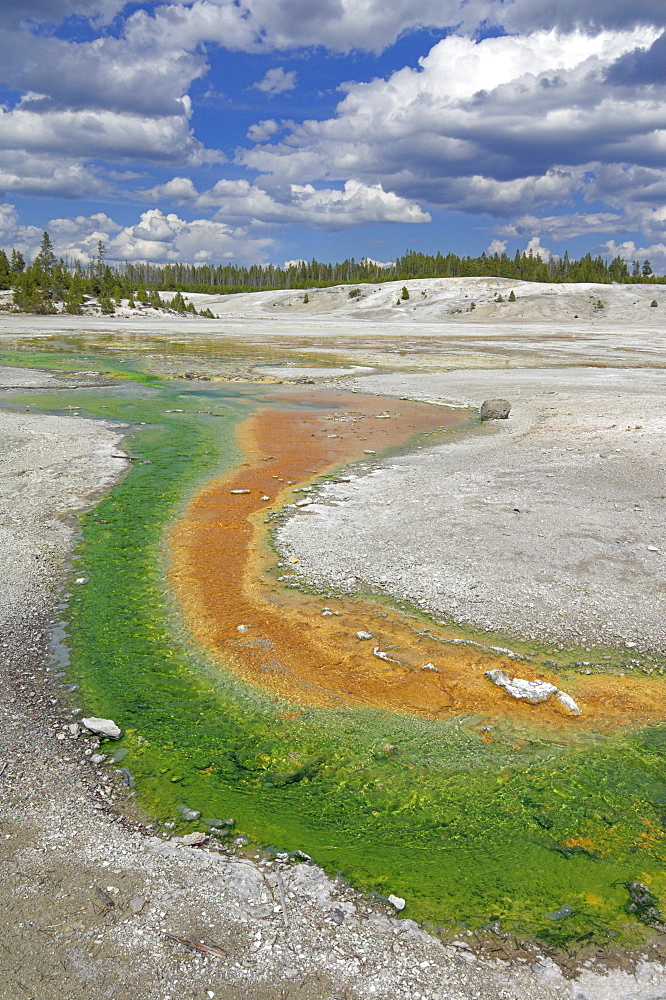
x=548, y=525
x=433, y=303
x=434, y=300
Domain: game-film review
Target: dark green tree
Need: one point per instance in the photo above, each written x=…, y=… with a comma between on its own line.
x=46, y=258
x=17, y=263
x=5, y=275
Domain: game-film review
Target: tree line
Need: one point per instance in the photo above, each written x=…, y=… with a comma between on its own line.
x=49, y=280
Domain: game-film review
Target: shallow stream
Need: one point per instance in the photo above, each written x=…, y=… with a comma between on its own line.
x=472, y=820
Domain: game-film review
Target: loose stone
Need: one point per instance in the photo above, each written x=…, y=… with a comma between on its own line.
x=194, y=839
x=564, y=911
x=495, y=409
x=567, y=702
x=532, y=691
x=384, y=656
x=104, y=727
x=189, y=814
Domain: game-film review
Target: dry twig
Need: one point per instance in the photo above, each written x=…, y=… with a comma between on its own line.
x=207, y=949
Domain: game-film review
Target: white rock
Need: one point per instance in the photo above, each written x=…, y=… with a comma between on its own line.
x=236, y=492
x=532, y=691
x=397, y=901
x=81, y=579
x=429, y=666
x=105, y=727
x=363, y=634
x=265, y=498
x=242, y=628
x=194, y=839
x=567, y=702
x=384, y=656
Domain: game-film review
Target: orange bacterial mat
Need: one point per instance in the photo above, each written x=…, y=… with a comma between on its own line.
x=304, y=648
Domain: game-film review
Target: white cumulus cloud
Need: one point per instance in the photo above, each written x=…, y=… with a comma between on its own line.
x=276, y=81
x=356, y=203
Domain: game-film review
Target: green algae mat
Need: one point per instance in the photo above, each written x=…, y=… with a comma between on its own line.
x=540, y=834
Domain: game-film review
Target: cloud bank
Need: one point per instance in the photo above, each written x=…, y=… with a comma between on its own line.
x=548, y=117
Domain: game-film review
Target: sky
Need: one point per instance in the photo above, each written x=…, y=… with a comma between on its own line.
x=261, y=131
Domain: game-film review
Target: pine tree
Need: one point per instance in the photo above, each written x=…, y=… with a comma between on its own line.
x=46, y=258
x=5, y=276
x=17, y=263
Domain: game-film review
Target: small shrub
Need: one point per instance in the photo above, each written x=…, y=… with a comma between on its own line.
x=306, y=299
x=354, y=293
x=472, y=305
x=654, y=303
x=512, y=296
x=598, y=304
x=106, y=305
x=404, y=294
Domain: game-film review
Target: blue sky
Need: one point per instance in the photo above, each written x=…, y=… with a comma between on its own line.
x=256, y=131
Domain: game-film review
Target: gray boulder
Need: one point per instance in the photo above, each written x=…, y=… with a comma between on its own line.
x=495, y=409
